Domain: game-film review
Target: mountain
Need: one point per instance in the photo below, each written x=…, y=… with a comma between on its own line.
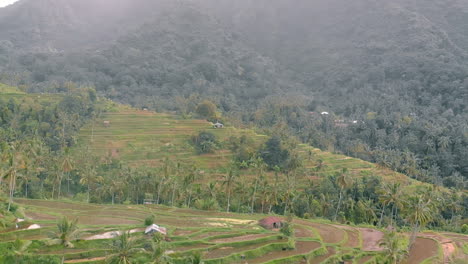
x=62, y=25
x=399, y=67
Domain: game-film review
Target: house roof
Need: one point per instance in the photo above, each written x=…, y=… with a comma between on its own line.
x=269, y=221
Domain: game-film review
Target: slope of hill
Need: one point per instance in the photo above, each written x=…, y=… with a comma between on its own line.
x=145, y=138
x=219, y=237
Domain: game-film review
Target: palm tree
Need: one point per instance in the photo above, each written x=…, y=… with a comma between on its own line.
x=260, y=165
x=89, y=175
x=391, y=195
x=67, y=232
x=19, y=249
x=343, y=180
x=15, y=161
x=392, y=248
x=419, y=213
x=66, y=167
x=228, y=181
x=124, y=247
x=158, y=255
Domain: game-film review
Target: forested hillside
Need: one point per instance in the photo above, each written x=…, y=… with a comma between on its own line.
x=392, y=75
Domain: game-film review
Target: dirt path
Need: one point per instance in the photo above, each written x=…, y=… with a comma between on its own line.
x=370, y=239
x=422, y=249
x=84, y=260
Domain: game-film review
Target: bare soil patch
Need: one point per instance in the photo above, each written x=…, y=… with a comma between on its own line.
x=302, y=247
x=448, y=245
x=240, y=238
x=40, y=216
x=353, y=239
x=370, y=239
x=364, y=259
x=304, y=232
x=329, y=233
x=89, y=220
x=319, y=259
x=84, y=260
x=181, y=232
x=422, y=249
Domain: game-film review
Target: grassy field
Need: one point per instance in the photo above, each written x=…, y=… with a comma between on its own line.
x=219, y=237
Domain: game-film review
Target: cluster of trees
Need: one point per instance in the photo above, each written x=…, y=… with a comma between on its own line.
x=248, y=186
x=399, y=70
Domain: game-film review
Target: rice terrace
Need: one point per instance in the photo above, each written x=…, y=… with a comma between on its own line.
x=144, y=138
x=219, y=237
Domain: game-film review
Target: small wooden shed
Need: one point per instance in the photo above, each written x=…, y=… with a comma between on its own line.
x=271, y=222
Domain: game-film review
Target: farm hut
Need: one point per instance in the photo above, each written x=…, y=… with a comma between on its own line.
x=34, y=226
x=106, y=123
x=271, y=222
x=155, y=229
x=324, y=113
x=218, y=125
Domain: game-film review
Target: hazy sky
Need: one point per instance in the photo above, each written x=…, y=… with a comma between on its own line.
x=6, y=2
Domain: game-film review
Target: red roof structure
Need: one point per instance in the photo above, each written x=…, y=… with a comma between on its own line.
x=271, y=222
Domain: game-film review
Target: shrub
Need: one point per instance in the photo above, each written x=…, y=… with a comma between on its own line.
x=205, y=142
x=464, y=229
x=149, y=220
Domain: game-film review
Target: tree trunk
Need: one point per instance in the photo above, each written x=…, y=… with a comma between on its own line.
x=228, y=200
x=159, y=192
x=253, y=197
x=68, y=183
x=89, y=190
x=173, y=194
x=338, y=207
x=413, y=235
x=381, y=216
x=12, y=191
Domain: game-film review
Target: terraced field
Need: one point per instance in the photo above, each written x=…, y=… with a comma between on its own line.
x=143, y=138
x=220, y=237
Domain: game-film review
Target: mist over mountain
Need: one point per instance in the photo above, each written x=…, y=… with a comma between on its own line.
x=399, y=67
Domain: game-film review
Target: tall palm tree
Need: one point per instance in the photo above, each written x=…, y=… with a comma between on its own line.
x=124, y=247
x=392, y=248
x=67, y=166
x=391, y=194
x=229, y=181
x=260, y=166
x=67, y=232
x=419, y=213
x=15, y=162
x=19, y=249
x=344, y=181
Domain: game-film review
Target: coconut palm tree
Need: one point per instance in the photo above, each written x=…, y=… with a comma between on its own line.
x=19, y=249
x=158, y=253
x=392, y=248
x=67, y=232
x=344, y=181
x=124, y=247
x=419, y=213
x=15, y=161
x=229, y=181
x=391, y=194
